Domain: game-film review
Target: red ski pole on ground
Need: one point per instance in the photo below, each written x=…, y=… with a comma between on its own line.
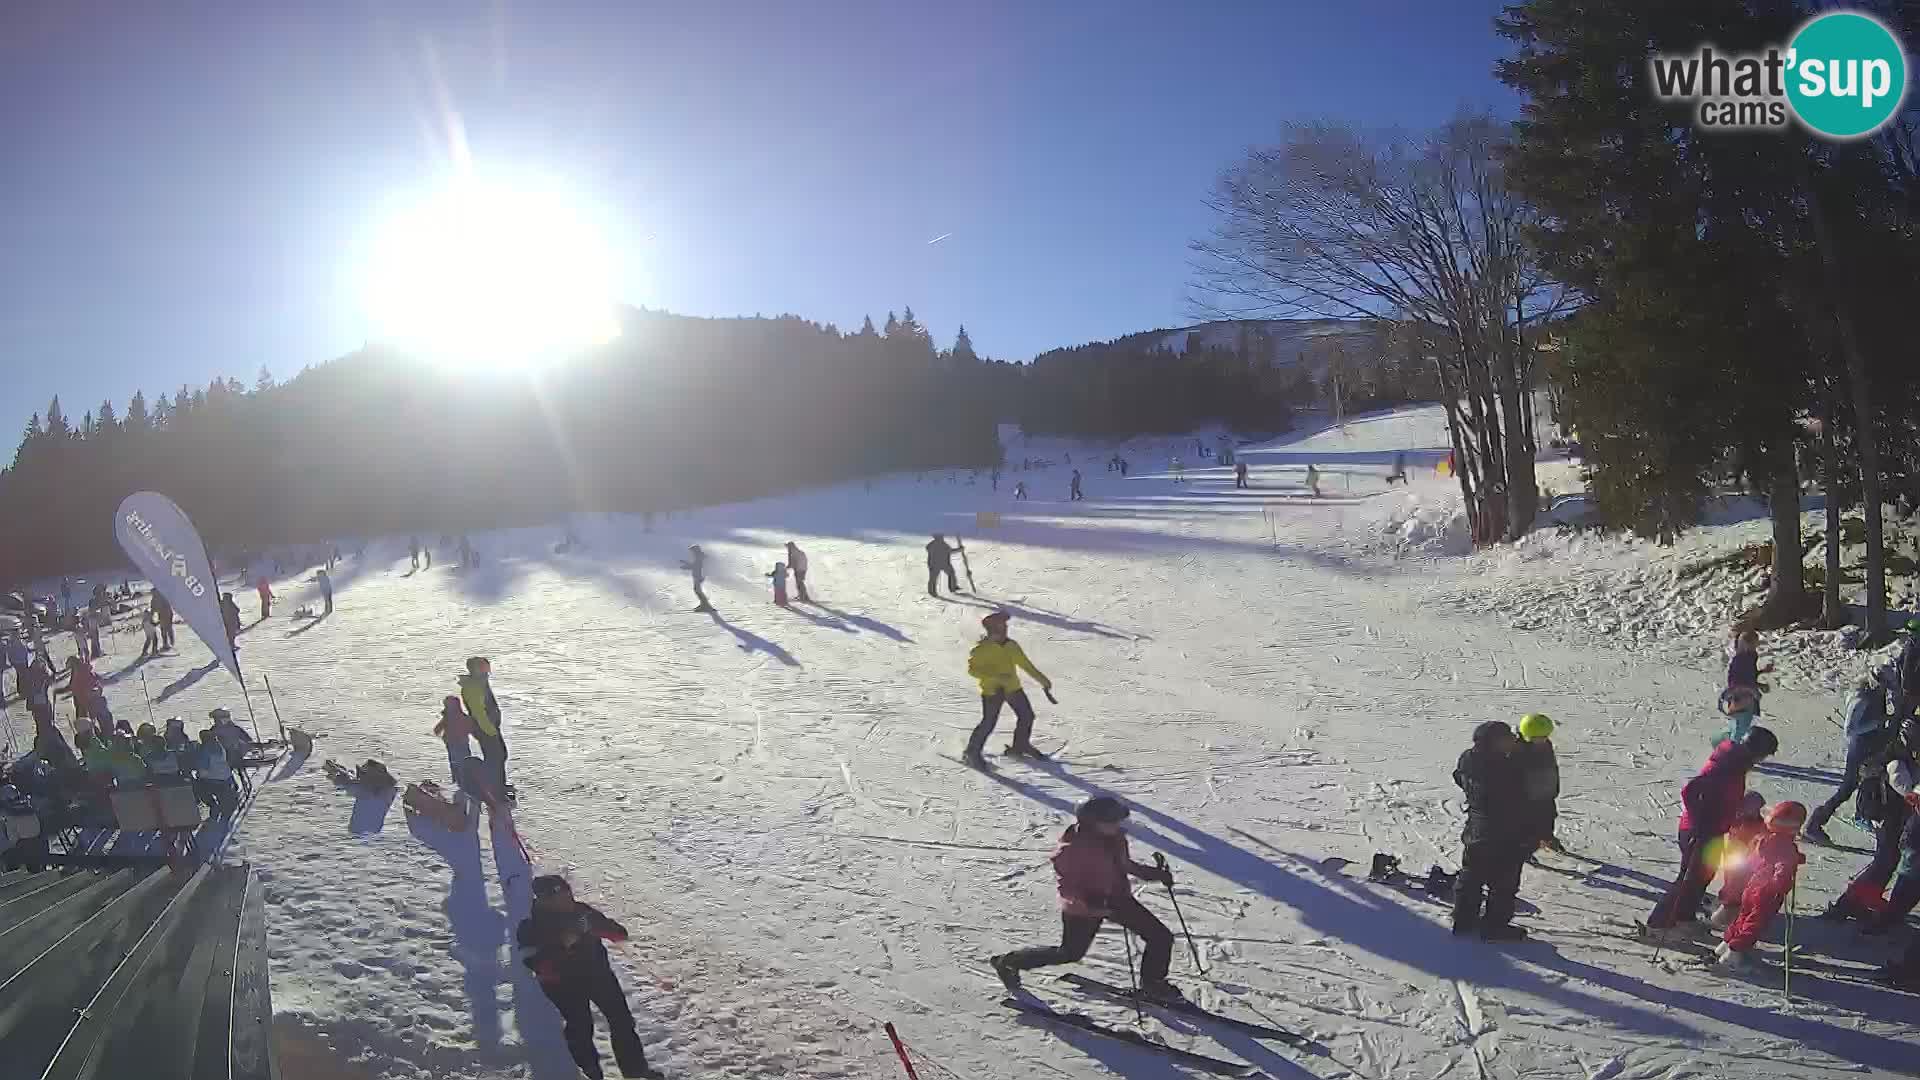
x=901, y=1049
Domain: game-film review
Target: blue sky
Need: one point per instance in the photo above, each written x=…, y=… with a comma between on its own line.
x=189, y=189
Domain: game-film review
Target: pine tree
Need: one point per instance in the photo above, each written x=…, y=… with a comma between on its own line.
x=182, y=402
x=86, y=425
x=57, y=429
x=108, y=418
x=29, y=439
x=137, y=418
x=866, y=328
x=963, y=354
x=162, y=412
x=893, y=327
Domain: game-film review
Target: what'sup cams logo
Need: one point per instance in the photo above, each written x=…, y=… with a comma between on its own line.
x=1843, y=76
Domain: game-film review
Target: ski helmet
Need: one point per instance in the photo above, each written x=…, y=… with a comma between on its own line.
x=1104, y=809
x=990, y=618
x=1787, y=816
x=1753, y=805
x=1762, y=743
x=550, y=885
x=1491, y=730
x=1536, y=726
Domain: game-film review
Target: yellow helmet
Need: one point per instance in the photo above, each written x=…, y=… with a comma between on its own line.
x=1536, y=726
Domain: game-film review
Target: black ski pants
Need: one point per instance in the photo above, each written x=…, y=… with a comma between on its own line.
x=990, y=715
x=800, y=586
x=933, y=575
x=1849, y=783
x=166, y=633
x=576, y=998
x=494, y=749
x=1681, y=903
x=1489, y=876
x=1078, y=931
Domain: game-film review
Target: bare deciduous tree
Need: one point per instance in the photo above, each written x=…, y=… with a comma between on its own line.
x=1332, y=223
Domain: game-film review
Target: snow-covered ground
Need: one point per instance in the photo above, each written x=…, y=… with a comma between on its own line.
x=770, y=799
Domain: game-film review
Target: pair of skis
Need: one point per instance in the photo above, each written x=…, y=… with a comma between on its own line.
x=1189, y=1058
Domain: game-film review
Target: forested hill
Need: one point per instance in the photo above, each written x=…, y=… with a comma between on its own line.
x=678, y=411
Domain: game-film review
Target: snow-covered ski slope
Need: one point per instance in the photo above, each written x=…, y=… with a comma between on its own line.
x=770, y=800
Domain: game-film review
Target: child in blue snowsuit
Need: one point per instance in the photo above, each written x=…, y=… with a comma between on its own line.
x=779, y=577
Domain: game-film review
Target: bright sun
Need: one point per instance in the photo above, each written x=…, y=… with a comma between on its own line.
x=483, y=276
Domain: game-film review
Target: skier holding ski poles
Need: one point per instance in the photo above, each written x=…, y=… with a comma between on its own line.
x=997, y=662
x=1093, y=866
x=939, y=561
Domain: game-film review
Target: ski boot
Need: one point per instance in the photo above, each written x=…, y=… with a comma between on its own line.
x=1008, y=975
x=1162, y=991
x=1502, y=932
x=1727, y=958
x=1384, y=867
x=1028, y=751
x=1723, y=916
x=974, y=759
x=1814, y=834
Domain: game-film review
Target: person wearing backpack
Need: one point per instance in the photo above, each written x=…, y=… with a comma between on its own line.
x=1867, y=734
x=1888, y=798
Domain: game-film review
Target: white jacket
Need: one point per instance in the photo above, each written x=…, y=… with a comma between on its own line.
x=1901, y=776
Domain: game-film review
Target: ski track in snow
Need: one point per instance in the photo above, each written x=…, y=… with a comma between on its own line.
x=771, y=802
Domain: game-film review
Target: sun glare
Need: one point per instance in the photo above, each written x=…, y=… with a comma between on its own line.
x=490, y=277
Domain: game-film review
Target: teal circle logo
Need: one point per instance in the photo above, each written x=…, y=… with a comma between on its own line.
x=1847, y=75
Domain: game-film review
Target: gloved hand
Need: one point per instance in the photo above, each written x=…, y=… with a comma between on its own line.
x=1913, y=799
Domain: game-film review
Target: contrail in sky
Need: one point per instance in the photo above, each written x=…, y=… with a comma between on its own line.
x=939, y=238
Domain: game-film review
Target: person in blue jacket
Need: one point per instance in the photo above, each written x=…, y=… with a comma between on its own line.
x=1866, y=723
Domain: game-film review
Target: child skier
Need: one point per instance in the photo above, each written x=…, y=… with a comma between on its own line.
x=996, y=661
x=779, y=578
x=1540, y=776
x=326, y=592
x=1073, y=492
x=230, y=615
x=1746, y=830
x=1709, y=803
x=1240, y=475
x=1772, y=864
x=453, y=727
x=266, y=596
x=150, y=644
x=1744, y=668
x=940, y=561
x=1093, y=866
x=560, y=940
x=1313, y=479
x=1866, y=733
x=1741, y=705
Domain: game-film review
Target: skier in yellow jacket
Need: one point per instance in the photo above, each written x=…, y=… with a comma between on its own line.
x=997, y=662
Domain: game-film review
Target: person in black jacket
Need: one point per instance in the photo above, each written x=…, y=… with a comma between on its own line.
x=561, y=941
x=940, y=559
x=1499, y=834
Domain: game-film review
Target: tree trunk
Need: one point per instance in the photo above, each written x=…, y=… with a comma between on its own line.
x=1862, y=393
x=1832, y=614
x=1786, y=601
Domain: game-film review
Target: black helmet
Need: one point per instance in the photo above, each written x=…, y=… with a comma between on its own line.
x=550, y=885
x=1762, y=742
x=1491, y=730
x=1103, y=809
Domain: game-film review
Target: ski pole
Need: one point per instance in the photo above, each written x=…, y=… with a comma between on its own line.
x=1139, y=1009
x=271, y=700
x=1160, y=861
x=1786, y=982
x=144, y=694
x=901, y=1049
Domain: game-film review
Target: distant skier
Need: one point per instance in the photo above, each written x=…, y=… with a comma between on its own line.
x=940, y=560
x=797, y=562
x=1890, y=795
x=996, y=478
x=1020, y=491
x=1093, y=867
x=1178, y=469
x=413, y=551
x=453, y=727
x=779, y=579
x=560, y=941
x=1313, y=479
x=230, y=615
x=163, y=614
x=1240, y=475
x=150, y=642
x=476, y=691
x=1499, y=835
x=1399, y=472
x=1123, y=467
x=266, y=596
x=1540, y=777
x=326, y=592
x=996, y=661
x=91, y=618
x=1073, y=494
x=1906, y=666
x=1710, y=802
x=1744, y=668
x=696, y=564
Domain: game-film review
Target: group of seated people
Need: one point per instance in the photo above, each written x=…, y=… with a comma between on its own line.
x=110, y=757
